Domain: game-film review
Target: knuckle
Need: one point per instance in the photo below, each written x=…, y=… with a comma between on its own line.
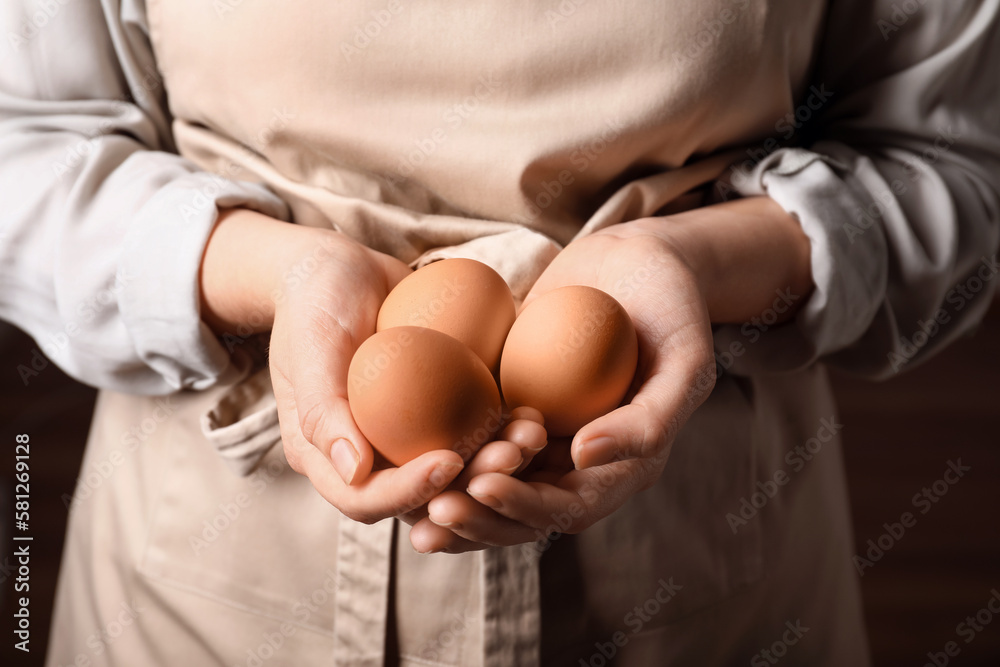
x=313, y=420
x=368, y=519
x=580, y=525
x=295, y=464
x=654, y=438
x=292, y=456
x=705, y=374
x=358, y=515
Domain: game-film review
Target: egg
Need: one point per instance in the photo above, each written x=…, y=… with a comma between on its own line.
x=463, y=298
x=571, y=354
x=413, y=390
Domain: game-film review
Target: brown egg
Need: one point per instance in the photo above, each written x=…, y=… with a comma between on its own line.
x=463, y=298
x=571, y=354
x=412, y=390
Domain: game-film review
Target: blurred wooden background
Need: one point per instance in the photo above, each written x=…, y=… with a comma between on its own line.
x=898, y=435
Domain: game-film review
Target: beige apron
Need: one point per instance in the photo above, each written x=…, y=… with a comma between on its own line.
x=431, y=130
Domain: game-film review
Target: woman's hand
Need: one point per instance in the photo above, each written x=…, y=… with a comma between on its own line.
x=320, y=292
x=675, y=276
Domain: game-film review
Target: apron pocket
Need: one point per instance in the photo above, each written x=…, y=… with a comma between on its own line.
x=265, y=542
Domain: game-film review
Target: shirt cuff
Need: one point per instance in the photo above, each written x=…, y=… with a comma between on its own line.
x=160, y=300
x=848, y=265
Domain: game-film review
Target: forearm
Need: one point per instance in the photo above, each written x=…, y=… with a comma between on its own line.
x=745, y=253
x=253, y=265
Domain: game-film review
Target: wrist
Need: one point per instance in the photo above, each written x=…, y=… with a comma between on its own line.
x=743, y=253
x=243, y=268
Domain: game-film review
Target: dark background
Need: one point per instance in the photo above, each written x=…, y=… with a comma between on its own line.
x=898, y=437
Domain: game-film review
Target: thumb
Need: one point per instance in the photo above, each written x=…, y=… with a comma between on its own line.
x=317, y=362
x=645, y=428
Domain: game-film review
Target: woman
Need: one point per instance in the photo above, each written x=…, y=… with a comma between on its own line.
x=762, y=185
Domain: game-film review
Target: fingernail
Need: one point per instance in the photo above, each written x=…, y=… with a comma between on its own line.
x=535, y=451
x=345, y=460
x=511, y=470
x=446, y=524
x=433, y=551
x=596, y=452
x=485, y=499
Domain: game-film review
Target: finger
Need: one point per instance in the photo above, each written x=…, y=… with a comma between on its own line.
x=680, y=374
x=352, y=463
x=427, y=537
x=529, y=413
x=413, y=516
x=576, y=501
x=498, y=456
x=393, y=269
x=385, y=493
x=529, y=436
x=318, y=375
x=471, y=520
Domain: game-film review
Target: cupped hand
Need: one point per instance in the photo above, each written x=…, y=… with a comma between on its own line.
x=330, y=294
x=576, y=483
x=674, y=275
x=319, y=293
x=329, y=306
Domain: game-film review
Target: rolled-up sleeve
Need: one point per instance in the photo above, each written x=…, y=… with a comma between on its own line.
x=103, y=225
x=897, y=185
